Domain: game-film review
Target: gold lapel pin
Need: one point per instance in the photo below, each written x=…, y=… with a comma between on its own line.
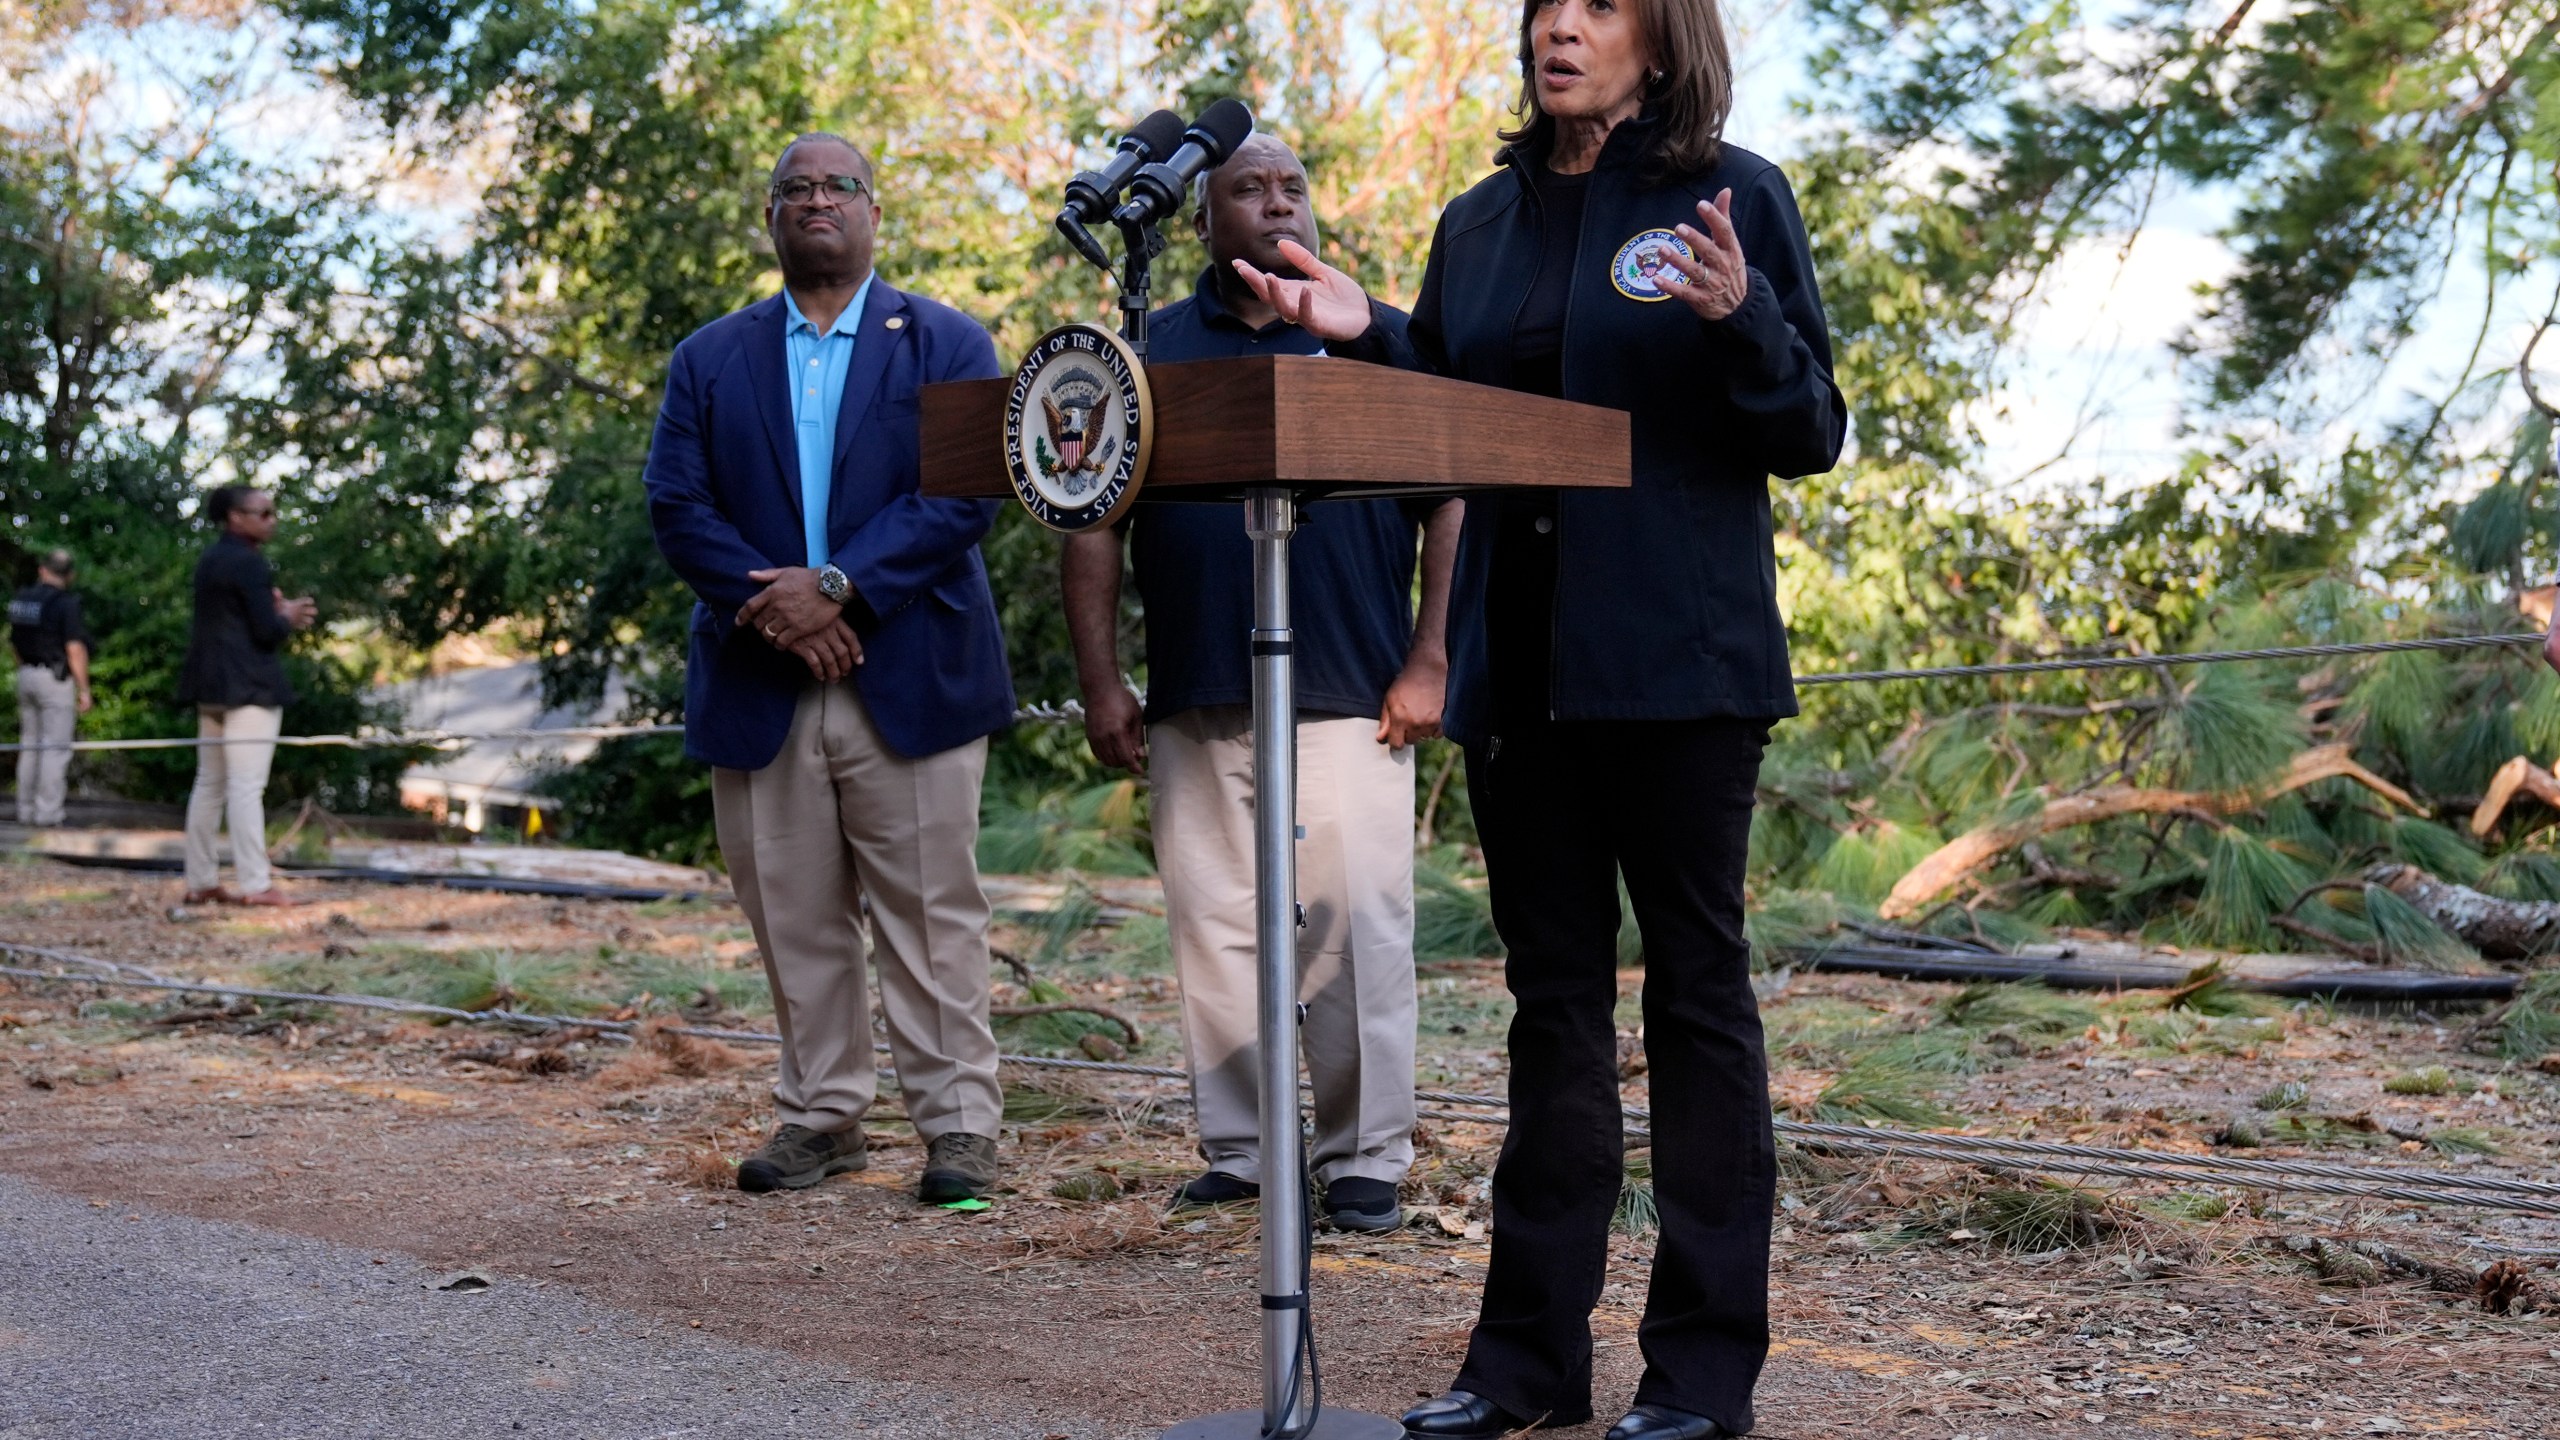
x=894, y=321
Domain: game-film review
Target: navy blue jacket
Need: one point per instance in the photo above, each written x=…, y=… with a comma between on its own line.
x=234, y=648
x=1666, y=603
x=724, y=498
x=1351, y=567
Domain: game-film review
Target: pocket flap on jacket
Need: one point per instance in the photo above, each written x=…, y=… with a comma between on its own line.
x=965, y=593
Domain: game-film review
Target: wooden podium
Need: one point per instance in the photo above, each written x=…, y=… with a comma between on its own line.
x=1276, y=432
x=1314, y=425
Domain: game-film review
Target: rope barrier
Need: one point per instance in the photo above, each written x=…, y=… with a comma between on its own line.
x=1071, y=712
x=2412, y=1186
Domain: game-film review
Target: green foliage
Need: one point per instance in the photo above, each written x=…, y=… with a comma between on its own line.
x=1452, y=918
x=2048, y=1216
x=2289, y=1095
x=2529, y=1026
x=637, y=794
x=2411, y=937
x=1892, y=1084
x=2427, y=1080
x=2246, y=880
x=1098, y=829
x=1861, y=866
x=2459, y=1140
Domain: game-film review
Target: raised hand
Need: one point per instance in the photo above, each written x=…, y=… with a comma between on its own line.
x=1327, y=303
x=1717, y=282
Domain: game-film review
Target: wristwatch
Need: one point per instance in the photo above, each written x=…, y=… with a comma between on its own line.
x=834, y=584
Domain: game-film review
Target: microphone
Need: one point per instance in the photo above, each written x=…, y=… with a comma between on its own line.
x=1090, y=194
x=1156, y=191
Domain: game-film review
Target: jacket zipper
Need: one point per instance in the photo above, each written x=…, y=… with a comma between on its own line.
x=1564, y=348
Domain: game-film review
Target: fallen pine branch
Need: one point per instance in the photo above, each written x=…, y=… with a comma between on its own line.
x=2498, y=929
x=1128, y=1028
x=2519, y=776
x=1952, y=863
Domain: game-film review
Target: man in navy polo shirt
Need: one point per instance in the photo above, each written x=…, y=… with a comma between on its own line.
x=1370, y=679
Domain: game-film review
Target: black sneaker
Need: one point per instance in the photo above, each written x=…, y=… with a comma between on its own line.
x=798, y=1157
x=1213, y=1187
x=957, y=1166
x=1356, y=1202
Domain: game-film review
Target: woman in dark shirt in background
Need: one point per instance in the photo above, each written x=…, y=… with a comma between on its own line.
x=1617, y=659
x=234, y=676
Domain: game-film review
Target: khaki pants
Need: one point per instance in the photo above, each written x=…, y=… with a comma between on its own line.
x=48, y=706
x=232, y=778
x=1355, y=952
x=837, y=816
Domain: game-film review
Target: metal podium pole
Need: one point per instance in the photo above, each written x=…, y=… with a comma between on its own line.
x=1288, y=1409
x=1270, y=519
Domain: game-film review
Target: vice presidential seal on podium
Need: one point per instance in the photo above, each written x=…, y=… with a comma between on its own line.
x=1079, y=427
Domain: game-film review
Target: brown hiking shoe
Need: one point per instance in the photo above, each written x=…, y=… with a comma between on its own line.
x=798, y=1157
x=957, y=1166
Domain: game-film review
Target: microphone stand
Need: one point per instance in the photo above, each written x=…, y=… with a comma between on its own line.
x=1288, y=1410
x=1140, y=243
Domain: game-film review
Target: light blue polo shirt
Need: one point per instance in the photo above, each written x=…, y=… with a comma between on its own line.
x=817, y=364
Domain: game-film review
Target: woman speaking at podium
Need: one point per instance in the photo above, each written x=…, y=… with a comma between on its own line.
x=1617, y=659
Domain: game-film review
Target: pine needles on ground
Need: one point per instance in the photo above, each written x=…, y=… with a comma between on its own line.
x=2529, y=1027
x=2049, y=1216
x=505, y=980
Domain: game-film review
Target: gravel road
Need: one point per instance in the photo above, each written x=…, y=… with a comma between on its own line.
x=120, y=1322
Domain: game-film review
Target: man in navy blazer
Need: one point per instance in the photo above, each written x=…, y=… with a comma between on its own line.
x=844, y=671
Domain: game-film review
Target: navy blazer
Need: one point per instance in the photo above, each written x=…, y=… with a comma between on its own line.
x=724, y=498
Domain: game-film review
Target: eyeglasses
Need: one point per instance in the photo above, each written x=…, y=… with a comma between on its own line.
x=802, y=190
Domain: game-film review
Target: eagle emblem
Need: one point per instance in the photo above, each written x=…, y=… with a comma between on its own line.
x=1079, y=409
x=1077, y=427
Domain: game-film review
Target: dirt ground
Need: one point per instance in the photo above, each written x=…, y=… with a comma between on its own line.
x=1909, y=1299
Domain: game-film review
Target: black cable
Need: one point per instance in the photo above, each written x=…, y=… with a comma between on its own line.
x=1313, y=1371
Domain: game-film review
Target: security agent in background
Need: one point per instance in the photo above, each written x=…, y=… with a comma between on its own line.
x=234, y=675
x=1369, y=679
x=53, y=685
x=845, y=672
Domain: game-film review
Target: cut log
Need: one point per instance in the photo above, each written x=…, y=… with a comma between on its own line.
x=2498, y=929
x=2517, y=776
x=1947, y=866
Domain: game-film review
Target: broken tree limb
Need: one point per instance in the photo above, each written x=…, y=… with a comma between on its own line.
x=2519, y=776
x=2498, y=929
x=1127, y=1026
x=1949, y=865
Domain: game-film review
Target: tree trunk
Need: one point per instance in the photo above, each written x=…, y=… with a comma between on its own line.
x=2498, y=929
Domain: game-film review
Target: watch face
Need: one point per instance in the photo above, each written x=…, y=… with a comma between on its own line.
x=833, y=584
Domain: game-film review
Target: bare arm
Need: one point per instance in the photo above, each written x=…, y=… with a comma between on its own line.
x=1090, y=572
x=1414, y=701
x=77, y=652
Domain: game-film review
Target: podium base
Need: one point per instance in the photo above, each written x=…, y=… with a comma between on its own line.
x=1247, y=1425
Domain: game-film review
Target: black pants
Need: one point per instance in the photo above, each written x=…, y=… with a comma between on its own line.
x=1563, y=810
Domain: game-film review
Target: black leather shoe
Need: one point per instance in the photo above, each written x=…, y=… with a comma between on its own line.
x=1460, y=1415
x=1214, y=1187
x=1661, y=1422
